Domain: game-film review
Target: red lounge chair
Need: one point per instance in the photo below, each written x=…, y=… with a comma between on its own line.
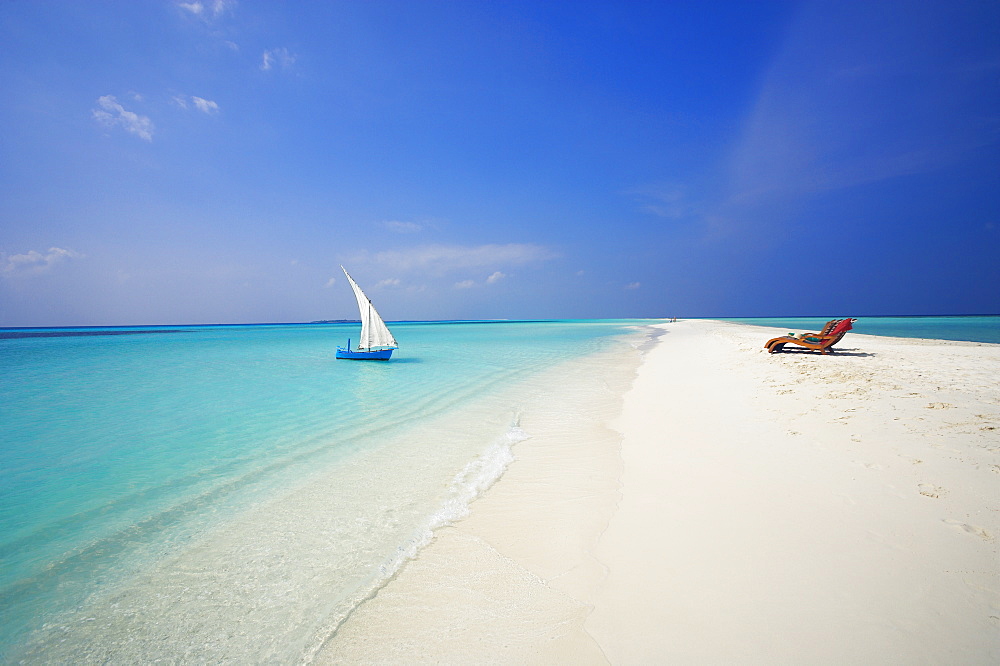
x=821, y=341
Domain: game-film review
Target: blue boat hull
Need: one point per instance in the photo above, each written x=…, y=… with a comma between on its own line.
x=377, y=355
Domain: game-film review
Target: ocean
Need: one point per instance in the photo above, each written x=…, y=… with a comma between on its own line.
x=978, y=328
x=232, y=493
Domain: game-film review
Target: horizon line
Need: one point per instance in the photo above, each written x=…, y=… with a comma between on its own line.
x=474, y=321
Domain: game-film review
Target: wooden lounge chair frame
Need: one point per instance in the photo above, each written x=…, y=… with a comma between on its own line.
x=826, y=328
x=831, y=334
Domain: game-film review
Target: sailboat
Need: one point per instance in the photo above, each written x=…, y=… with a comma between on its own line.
x=376, y=343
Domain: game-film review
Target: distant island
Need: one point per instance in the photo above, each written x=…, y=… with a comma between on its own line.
x=336, y=321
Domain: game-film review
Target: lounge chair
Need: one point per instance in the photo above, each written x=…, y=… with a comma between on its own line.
x=826, y=328
x=820, y=342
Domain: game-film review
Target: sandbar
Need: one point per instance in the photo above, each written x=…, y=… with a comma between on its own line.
x=712, y=503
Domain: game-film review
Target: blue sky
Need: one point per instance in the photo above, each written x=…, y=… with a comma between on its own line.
x=217, y=160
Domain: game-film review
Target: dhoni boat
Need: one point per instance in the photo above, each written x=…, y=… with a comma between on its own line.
x=376, y=343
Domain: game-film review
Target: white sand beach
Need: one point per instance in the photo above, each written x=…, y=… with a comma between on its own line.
x=724, y=505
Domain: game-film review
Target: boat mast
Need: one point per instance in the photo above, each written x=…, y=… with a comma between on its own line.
x=369, y=326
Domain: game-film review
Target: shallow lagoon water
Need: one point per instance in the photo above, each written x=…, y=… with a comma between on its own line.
x=232, y=493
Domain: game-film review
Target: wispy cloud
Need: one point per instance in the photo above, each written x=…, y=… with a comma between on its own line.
x=208, y=10
x=388, y=282
x=669, y=201
x=402, y=227
x=195, y=8
x=441, y=259
x=199, y=103
x=828, y=117
x=112, y=114
x=633, y=285
x=34, y=262
x=205, y=105
x=493, y=278
x=279, y=57
x=329, y=283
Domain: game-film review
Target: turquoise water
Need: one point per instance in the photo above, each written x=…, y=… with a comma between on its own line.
x=231, y=493
x=970, y=329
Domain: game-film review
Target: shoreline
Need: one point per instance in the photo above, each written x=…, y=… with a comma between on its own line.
x=732, y=506
x=498, y=586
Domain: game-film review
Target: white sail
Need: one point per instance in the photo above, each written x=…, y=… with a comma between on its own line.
x=374, y=333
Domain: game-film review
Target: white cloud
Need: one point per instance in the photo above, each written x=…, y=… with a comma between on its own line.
x=195, y=8
x=279, y=57
x=329, y=283
x=200, y=103
x=441, y=259
x=388, y=282
x=34, y=262
x=205, y=105
x=633, y=285
x=112, y=114
x=212, y=9
x=402, y=227
x=495, y=277
x=221, y=6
